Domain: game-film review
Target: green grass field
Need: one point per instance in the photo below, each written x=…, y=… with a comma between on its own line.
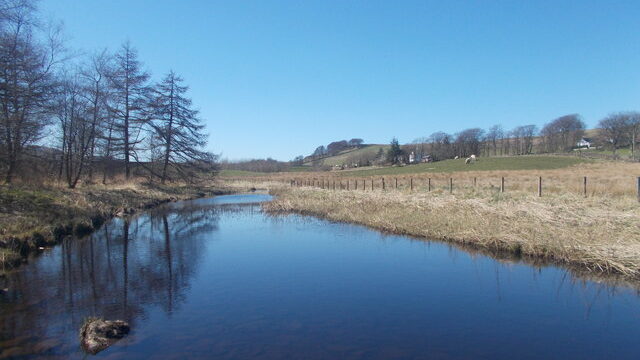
x=484, y=164
x=533, y=162
x=244, y=173
x=239, y=173
x=624, y=152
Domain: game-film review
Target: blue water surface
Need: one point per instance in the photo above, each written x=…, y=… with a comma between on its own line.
x=219, y=278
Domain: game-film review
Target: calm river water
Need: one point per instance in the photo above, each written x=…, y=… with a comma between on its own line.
x=218, y=278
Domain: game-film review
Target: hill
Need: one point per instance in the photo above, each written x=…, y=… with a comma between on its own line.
x=344, y=157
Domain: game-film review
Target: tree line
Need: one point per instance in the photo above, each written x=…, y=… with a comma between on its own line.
x=559, y=135
x=98, y=112
x=336, y=147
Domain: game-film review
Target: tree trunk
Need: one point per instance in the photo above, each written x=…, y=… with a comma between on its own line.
x=633, y=145
x=10, y=170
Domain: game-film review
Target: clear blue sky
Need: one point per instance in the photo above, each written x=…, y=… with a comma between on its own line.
x=278, y=78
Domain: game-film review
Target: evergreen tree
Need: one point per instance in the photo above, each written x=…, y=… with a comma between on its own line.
x=395, y=152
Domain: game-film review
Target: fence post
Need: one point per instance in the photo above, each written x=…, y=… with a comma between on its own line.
x=411, y=183
x=396, y=179
x=364, y=184
x=585, y=186
x=450, y=185
x=383, y=184
x=638, y=188
x=356, y=184
x=429, y=186
x=334, y=184
x=371, y=184
x=348, y=184
x=540, y=186
x=502, y=185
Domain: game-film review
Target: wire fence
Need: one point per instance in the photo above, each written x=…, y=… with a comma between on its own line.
x=585, y=186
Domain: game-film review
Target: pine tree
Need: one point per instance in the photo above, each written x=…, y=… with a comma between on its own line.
x=394, y=152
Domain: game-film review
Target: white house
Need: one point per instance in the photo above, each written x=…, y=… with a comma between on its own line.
x=584, y=143
x=412, y=158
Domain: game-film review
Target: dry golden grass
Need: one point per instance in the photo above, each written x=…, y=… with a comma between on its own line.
x=617, y=179
x=600, y=232
x=37, y=216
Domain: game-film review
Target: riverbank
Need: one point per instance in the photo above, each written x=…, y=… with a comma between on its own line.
x=33, y=218
x=599, y=234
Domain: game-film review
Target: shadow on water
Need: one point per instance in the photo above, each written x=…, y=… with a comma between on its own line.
x=220, y=278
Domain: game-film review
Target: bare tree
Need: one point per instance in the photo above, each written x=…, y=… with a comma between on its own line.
x=528, y=134
x=178, y=127
x=27, y=81
x=615, y=129
x=468, y=141
x=420, y=147
x=130, y=105
x=337, y=146
x=319, y=151
x=97, y=94
x=522, y=139
x=515, y=137
x=563, y=133
x=73, y=111
x=441, y=145
x=356, y=142
x=494, y=134
x=634, y=129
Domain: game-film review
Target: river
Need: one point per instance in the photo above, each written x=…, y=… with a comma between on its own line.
x=219, y=278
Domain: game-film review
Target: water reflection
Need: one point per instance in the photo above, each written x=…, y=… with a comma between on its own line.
x=219, y=278
x=117, y=273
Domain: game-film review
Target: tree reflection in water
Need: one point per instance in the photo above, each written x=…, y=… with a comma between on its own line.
x=116, y=273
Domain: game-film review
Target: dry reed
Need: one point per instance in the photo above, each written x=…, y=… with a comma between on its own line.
x=600, y=233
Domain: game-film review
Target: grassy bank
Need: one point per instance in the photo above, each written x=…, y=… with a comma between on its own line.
x=600, y=234
x=32, y=218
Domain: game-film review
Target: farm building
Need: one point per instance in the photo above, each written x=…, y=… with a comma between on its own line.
x=585, y=143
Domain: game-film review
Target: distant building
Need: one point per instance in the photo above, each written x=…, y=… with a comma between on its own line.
x=585, y=143
x=412, y=158
x=426, y=159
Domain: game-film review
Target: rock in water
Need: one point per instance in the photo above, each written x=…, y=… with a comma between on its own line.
x=98, y=334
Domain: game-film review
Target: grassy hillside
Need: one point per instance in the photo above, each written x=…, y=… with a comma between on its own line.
x=484, y=164
x=244, y=173
x=239, y=173
x=343, y=157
